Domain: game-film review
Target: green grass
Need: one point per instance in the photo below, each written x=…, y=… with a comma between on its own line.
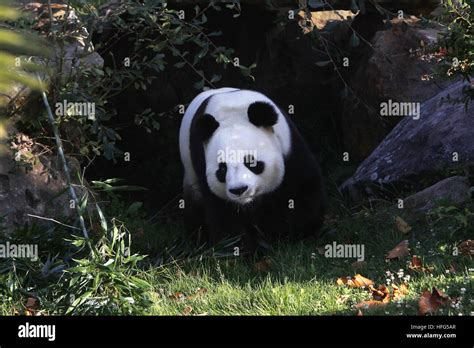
x=299, y=281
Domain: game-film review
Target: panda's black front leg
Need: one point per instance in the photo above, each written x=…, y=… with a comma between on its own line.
x=307, y=217
x=219, y=220
x=194, y=220
x=223, y=220
x=249, y=241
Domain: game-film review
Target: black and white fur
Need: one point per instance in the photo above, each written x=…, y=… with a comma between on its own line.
x=277, y=190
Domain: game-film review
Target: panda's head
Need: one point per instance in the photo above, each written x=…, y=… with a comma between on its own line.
x=244, y=159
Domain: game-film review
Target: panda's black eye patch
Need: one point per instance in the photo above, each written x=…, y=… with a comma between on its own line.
x=221, y=172
x=253, y=165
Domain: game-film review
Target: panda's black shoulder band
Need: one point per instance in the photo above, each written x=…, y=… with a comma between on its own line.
x=207, y=125
x=262, y=114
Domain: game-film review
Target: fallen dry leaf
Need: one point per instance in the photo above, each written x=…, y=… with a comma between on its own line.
x=31, y=303
x=342, y=299
x=359, y=313
x=199, y=292
x=402, y=225
x=59, y=14
x=430, y=301
x=360, y=281
x=382, y=294
x=30, y=307
x=262, y=266
x=56, y=6
x=356, y=281
x=178, y=296
x=467, y=247
x=33, y=6
x=415, y=263
x=202, y=291
x=399, y=291
x=400, y=251
x=187, y=310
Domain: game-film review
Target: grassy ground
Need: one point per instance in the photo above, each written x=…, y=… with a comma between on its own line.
x=294, y=280
x=301, y=281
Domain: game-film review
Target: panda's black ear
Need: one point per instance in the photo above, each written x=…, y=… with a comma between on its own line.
x=262, y=114
x=207, y=125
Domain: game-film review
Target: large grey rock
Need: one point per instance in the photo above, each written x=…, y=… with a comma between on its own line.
x=396, y=67
x=419, y=149
x=33, y=188
x=454, y=189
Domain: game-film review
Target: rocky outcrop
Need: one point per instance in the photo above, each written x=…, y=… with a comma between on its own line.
x=33, y=187
x=74, y=54
x=454, y=190
x=397, y=67
x=76, y=51
x=442, y=138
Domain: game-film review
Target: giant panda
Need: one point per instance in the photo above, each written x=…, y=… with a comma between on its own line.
x=247, y=171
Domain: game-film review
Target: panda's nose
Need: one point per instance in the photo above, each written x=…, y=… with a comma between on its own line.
x=238, y=190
